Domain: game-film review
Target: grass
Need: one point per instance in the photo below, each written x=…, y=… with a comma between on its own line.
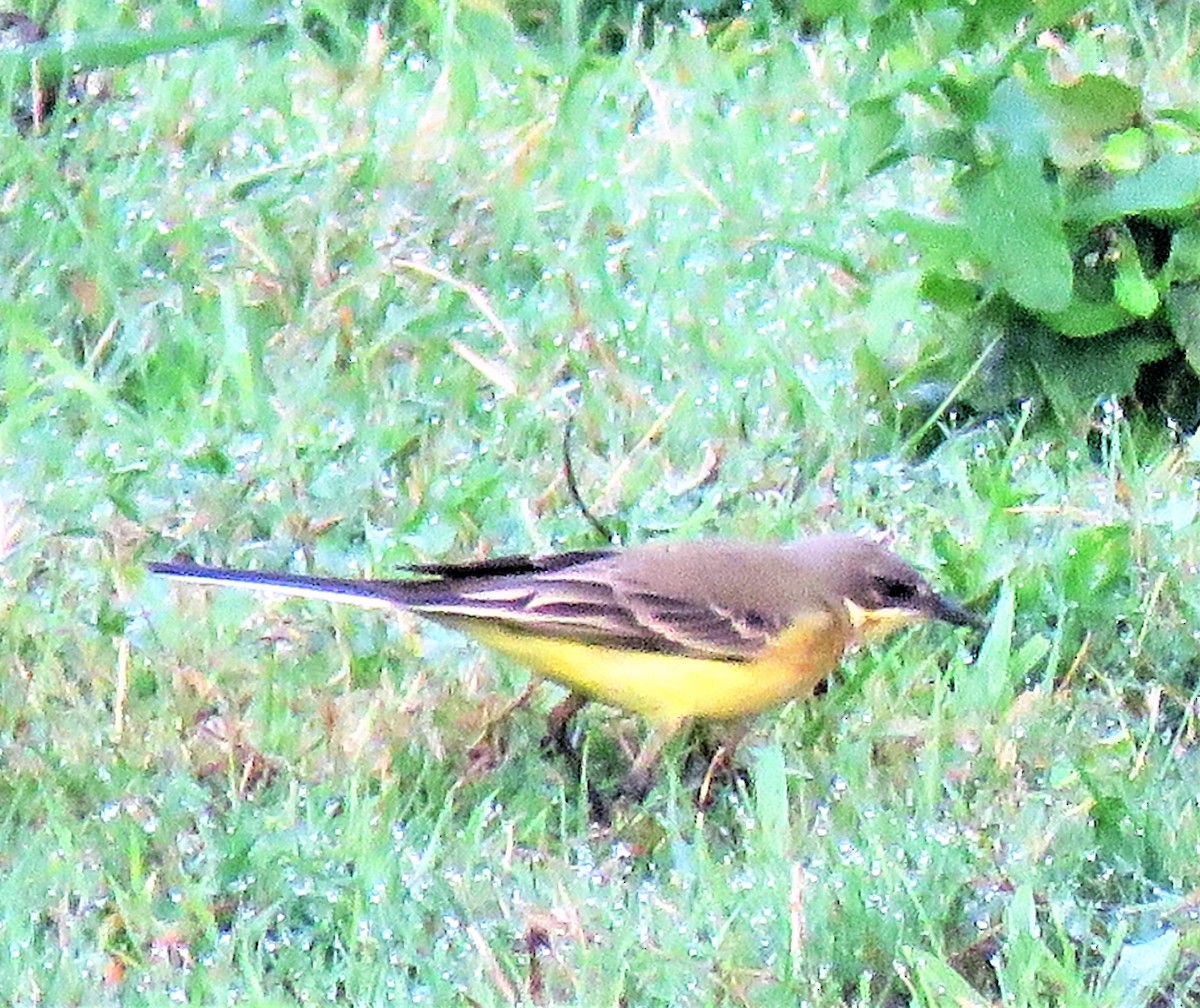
x=275, y=307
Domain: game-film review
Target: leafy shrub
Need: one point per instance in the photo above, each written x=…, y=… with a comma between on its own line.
x=1074, y=248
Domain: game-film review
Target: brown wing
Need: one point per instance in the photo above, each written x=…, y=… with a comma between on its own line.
x=606, y=601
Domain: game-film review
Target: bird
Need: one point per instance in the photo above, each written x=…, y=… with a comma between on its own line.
x=675, y=631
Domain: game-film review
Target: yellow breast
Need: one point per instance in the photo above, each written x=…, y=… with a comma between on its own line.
x=665, y=687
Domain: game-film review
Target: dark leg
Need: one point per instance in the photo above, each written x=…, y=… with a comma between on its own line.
x=640, y=778
x=719, y=765
x=558, y=730
x=558, y=741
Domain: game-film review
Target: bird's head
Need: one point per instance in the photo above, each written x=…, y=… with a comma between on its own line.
x=880, y=591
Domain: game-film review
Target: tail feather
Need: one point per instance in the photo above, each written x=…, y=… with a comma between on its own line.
x=510, y=566
x=369, y=594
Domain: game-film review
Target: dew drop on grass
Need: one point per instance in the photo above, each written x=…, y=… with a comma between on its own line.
x=850, y=854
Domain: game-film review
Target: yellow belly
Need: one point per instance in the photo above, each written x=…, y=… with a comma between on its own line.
x=664, y=687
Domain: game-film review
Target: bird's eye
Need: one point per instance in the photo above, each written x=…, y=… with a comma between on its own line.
x=896, y=591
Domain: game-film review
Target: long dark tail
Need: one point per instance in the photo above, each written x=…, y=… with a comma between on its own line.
x=372, y=594
x=435, y=586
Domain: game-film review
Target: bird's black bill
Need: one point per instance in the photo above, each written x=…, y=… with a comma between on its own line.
x=956, y=615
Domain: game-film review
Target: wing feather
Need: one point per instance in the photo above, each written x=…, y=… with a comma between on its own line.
x=727, y=602
x=594, y=603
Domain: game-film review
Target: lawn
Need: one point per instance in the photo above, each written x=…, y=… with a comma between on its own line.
x=327, y=301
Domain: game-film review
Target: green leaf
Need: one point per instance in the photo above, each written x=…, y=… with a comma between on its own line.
x=1072, y=374
x=1076, y=373
x=1133, y=292
x=1095, y=104
x=1127, y=151
x=1053, y=13
x=1015, y=120
x=1188, y=118
x=943, y=243
x=1087, y=318
x=944, y=246
x=943, y=28
x=877, y=124
x=1183, y=309
x=948, y=145
x=950, y=292
x=1172, y=183
x=1184, y=262
x=1012, y=213
x=1013, y=209
x=968, y=96
x=895, y=300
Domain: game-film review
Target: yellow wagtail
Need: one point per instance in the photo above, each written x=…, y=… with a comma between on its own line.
x=673, y=631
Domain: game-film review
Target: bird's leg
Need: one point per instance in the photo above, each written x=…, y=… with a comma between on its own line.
x=641, y=775
x=558, y=740
x=558, y=729
x=720, y=763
